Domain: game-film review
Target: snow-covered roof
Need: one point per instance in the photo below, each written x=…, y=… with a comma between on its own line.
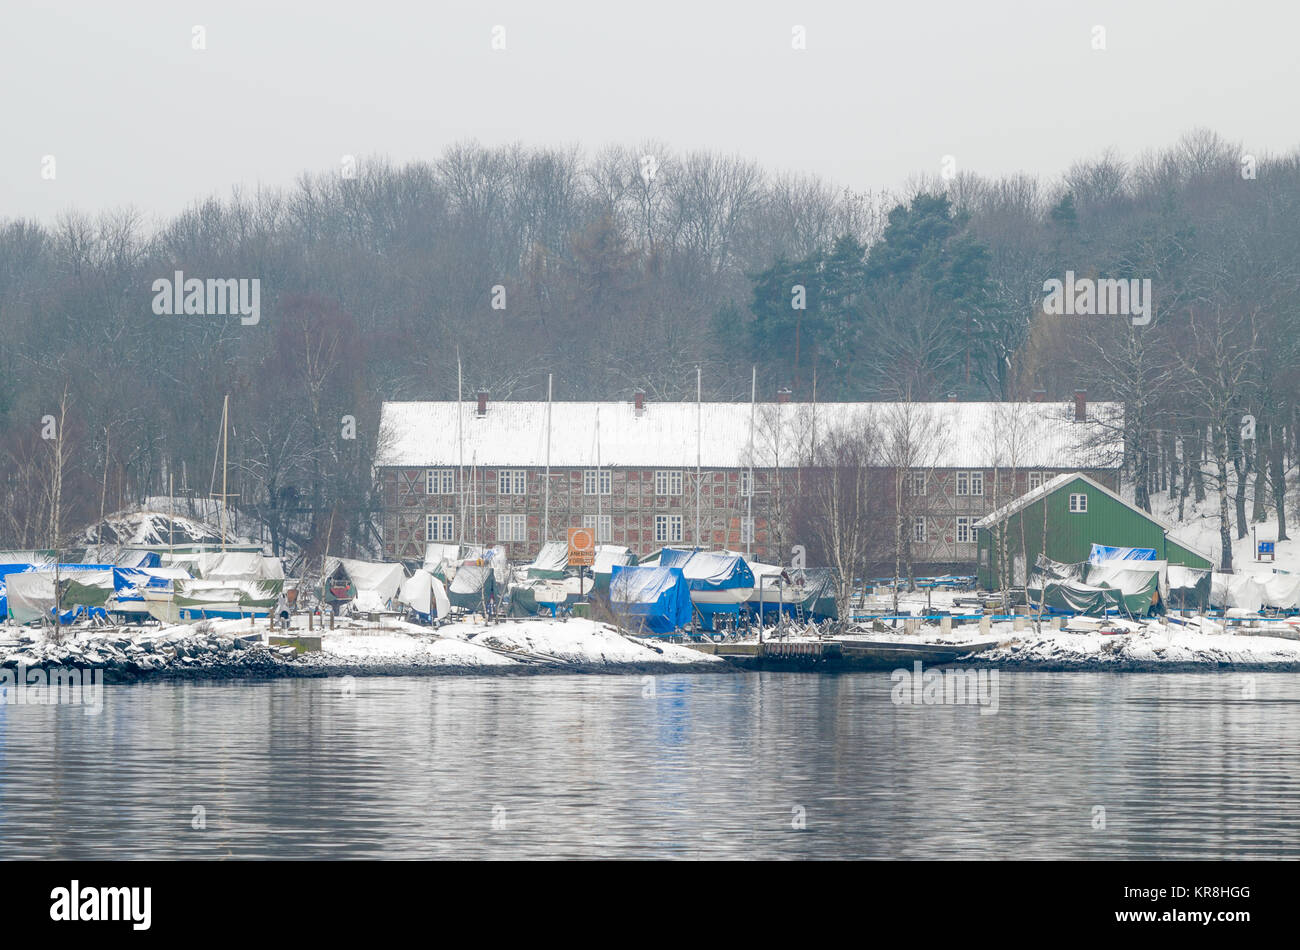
x=958, y=434
x=1052, y=484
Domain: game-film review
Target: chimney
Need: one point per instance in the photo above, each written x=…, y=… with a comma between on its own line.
x=638, y=398
x=1081, y=405
x=952, y=397
x=783, y=394
x=1040, y=395
x=482, y=402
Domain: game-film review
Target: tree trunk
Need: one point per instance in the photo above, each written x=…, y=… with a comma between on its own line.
x=1225, y=516
x=1278, y=478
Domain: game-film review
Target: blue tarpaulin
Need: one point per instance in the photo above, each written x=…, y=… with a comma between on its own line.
x=1101, y=552
x=719, y=582
x=656, y=596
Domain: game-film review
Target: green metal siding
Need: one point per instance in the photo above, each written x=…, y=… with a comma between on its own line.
x=1070, y=535
x=1177, y=554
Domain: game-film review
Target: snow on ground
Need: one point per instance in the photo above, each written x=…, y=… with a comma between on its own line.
x=468, y=644
x=576, y=640
x=404, y=648
x=1150, y=642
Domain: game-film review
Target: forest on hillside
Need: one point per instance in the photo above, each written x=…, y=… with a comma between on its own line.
x=627, y=269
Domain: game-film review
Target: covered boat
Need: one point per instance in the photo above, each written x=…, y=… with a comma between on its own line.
x=424, y=594
x=544, y=596
x=473, y=587
x=552, y=561
x=372, y=585
x=191, y=601
x=656, y=599
x=29, y=593
x=607, y=556
x=719, y=582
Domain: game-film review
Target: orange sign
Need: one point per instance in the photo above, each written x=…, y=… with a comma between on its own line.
x=582, y=547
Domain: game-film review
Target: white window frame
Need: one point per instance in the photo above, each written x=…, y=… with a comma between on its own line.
x=965, y=530
x=512, y=529
x=668, y=529
x=440, y=481
x=1036, y=480
x=970, y=480
x=439, y=527
x=601, y=527
x=746, y=486
x=918, y=529
x=747, y=530
x=917, y=479
x=1078, y=503
x=668, y=481
x=592, y=477
x=512, y=481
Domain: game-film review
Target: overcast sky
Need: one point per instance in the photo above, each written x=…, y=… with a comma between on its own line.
x=133, y=114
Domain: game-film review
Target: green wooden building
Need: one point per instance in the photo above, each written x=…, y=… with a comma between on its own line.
x=1079, y=512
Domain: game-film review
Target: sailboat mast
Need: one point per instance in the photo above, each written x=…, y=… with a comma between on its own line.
x=225, y=447
x=699, y=480
x=546, y=486
x=599, y=507
x=749, y=499
x=460, y=443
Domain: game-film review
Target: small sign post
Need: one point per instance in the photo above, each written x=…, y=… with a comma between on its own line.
x=582, y=552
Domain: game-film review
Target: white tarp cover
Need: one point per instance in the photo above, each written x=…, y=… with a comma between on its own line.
x=1236, y=590
x=241, y=565
x=425, y=593
x=37, y=559
x=384, y=579
x=552, y=559
x=1281, y=591
x=1184, y=578
x=1130, y=576
x=438, y=555
x=443, y=559
x=31, y=595
x=607, y=555
x=496, y=556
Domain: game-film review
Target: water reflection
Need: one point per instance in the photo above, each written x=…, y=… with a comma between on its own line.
x=684, y=766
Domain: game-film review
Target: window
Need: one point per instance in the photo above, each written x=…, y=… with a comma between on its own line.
x=746, y=530
x=916, y=483
x=440, y=481
x=965, y=530
x=600, y=526
x=1035, y=480
x=1078, y=503
x=746, y=484
x=512, y=481
x=918, y=529
x=668, y=528
x=511, y=528
x=439, y=527
x=970, y=483
x=668, y=483
x=593, y=477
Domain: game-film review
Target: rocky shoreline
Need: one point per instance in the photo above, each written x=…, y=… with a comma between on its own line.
x=233, y=650
x=213, y=656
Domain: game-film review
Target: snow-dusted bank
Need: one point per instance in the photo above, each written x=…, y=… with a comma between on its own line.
x=240, y=648
x=1194, y=645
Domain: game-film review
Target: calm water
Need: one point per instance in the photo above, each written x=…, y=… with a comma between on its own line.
x=697, y=766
